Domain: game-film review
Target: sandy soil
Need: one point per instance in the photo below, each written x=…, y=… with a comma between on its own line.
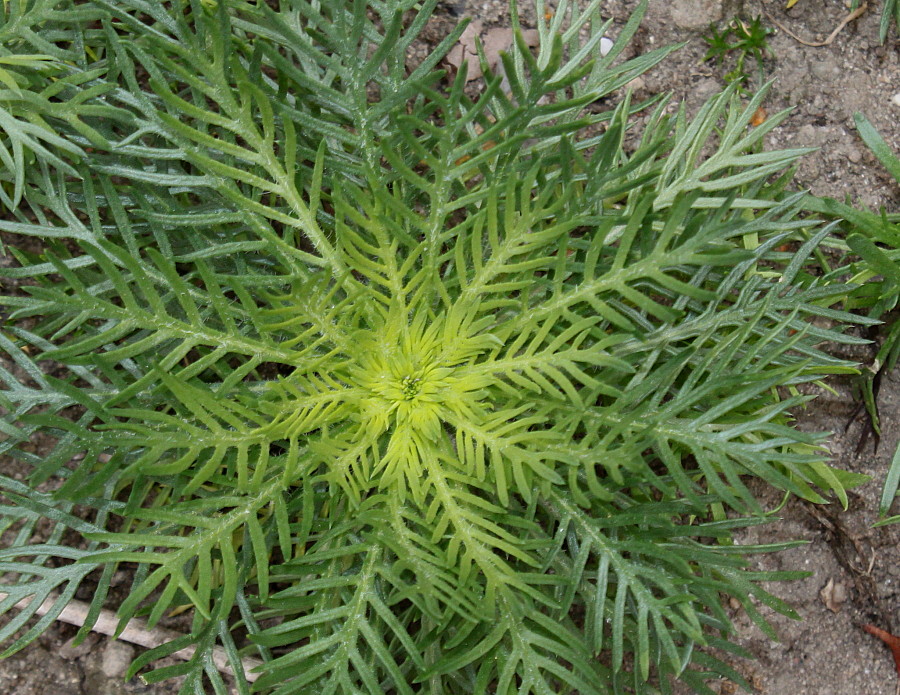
x=826, y=653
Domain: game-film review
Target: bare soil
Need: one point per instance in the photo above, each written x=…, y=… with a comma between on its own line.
x=826, y=653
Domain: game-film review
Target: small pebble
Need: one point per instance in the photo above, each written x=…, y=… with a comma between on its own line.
x=637, y=84
x=695, y=14
x=117, y=657
x=896, y=99
x=605, y=46
x=69, y=651
x=825, y=69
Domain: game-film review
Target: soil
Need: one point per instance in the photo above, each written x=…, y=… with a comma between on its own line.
x=852, y=565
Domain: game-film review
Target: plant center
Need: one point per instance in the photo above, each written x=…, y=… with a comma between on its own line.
x=416, y=377
x=410, y=387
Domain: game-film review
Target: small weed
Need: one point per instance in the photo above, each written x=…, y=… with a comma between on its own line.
x=393, y=385
x=737, y=42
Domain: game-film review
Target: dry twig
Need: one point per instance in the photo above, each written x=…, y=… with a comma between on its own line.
x=137, y=632
x=831, y=37
x=890, y=640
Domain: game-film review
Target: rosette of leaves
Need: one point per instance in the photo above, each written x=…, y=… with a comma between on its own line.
x=399, y=388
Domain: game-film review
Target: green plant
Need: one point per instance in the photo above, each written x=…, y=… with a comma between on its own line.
x=738, y=41
x=875, y=240
x=889, y=11
x=399, y=389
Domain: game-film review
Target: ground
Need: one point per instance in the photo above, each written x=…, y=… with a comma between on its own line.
x=825, y=653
